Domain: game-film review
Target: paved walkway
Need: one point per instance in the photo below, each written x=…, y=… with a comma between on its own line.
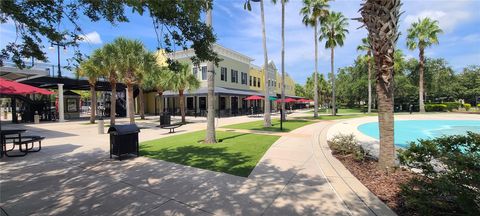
x=73, y=175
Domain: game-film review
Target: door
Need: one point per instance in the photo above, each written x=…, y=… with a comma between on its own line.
x=234, y=105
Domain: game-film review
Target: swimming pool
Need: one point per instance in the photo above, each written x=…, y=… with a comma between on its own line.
x=412, y=130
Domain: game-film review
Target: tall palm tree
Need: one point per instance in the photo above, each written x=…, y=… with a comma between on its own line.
x=365, y=46
x=381, y=18
x=129, y=58
x=313, y=11
x=422, y=34
x=267, y=121
x=182, y=79
x=333, y=31
x=210, y=136
x=282, y=106
x=89, y=69
x=108, y=66
x=148, y=65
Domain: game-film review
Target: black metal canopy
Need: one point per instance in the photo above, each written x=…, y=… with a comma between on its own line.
x=70, y=83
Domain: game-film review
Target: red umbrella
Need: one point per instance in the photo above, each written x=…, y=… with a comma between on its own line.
x=253, y=97
x=287, y=100
x=303, y=100
x=16, y=88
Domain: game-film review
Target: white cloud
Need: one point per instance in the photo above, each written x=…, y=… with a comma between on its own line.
x=92, y=37
x=447, y=20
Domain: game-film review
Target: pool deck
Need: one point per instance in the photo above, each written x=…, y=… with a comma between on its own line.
x=349, y=126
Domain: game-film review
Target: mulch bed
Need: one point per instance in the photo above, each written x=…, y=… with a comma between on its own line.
x=385, y=185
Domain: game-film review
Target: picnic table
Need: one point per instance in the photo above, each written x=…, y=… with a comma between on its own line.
x=17, y=139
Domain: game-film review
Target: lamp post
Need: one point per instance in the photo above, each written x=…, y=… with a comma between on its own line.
x=58, y=44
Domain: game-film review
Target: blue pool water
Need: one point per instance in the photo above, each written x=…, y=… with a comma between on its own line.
x=412, y=130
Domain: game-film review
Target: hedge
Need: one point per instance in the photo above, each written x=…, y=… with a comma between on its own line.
x=436, y=107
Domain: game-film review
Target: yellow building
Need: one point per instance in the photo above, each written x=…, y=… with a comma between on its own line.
x=235, y=79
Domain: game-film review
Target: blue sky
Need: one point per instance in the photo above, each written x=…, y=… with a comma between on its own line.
x=240, y=30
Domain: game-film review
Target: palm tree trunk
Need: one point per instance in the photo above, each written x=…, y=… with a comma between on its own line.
x=210, y=136
x=113, y=103
x=385, y=120
x=130, y=104
x=315, y=75
x=160, y=97
x=93, y=105
x=182, y=105
x=283, y=61
x=420, y=81
x=332, y=55
x=142, y=103
x=369, y=85
x=266, y=117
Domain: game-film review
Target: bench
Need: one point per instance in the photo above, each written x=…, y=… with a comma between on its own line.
x=171, y=127
x=25, y=140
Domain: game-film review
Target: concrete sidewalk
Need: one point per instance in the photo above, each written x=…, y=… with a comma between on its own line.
x=73, y=175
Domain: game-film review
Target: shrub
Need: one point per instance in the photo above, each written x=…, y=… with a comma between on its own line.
x=347, y=144
x=449, y=183
x=467, y=106
x=452, y=105
x=435, y=107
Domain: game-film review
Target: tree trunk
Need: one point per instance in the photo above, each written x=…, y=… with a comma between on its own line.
x=385, y=120
x=93, y=106
x=113, y=103
x=142, y=103
x=210, y=136
x=182, y=104
x=369, y=84
x=283, y=61
x=160, y=97
x=420, y=81
x=332, y=55
x=315, y=75
x=130, y=104
x=266, y=117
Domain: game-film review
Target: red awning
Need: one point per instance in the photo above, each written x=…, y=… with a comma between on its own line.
x=16, y=88
x=287, y=100
x=254, y=97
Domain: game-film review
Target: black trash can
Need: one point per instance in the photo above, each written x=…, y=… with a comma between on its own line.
x=165, y=119
x=124, y=140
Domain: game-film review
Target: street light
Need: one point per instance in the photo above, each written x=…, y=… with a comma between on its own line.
x=58, y=44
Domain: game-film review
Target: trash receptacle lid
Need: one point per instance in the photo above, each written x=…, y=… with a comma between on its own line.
x=124, y=129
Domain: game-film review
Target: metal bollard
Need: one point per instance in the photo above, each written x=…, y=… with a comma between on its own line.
x=100, y=126
x=36, y=118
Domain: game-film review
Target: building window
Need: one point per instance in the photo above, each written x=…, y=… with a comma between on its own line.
x=254, y=81
x=223, y=74
x=244, y=78
x=204, y=73
x=259, y=82
x=234, y=76
x=189, y=103
x=250, y=81
x=195, y=72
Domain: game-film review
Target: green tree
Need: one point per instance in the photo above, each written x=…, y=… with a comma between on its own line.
x=333, y=31
x=283, y=58
x=149, y=65
x=422, y=34
x=313, y=11
x=323, y=88
x=158, y=79
x=300, y=91
x=182, y=79
x=107, y=64
x=365, y=46
x=469, y=81
x=36, y=20
x=129, y=58
x=381, y=17
x=92, y=72
x=266, y=116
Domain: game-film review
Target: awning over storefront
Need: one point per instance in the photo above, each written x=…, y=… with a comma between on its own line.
x=218, y=90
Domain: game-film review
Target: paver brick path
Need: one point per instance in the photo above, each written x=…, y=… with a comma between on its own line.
x=73, y=175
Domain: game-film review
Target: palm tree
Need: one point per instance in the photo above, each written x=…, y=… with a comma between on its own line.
x=267, y=121
x=158, y=78
x=129, y=58
x=148, y=65
x=381, y=17
x=89, y=69
x=108, y=66
x=182, y=79
x=365, y=46
x=313, y=11
x=283, y=58
x=422, y=34
x=333, y=31
x=210, y=136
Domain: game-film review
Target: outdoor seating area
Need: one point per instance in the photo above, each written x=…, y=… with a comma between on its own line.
x=25, y=144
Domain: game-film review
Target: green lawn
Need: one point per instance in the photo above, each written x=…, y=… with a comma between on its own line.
x=258, y=125
x=236, y=153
